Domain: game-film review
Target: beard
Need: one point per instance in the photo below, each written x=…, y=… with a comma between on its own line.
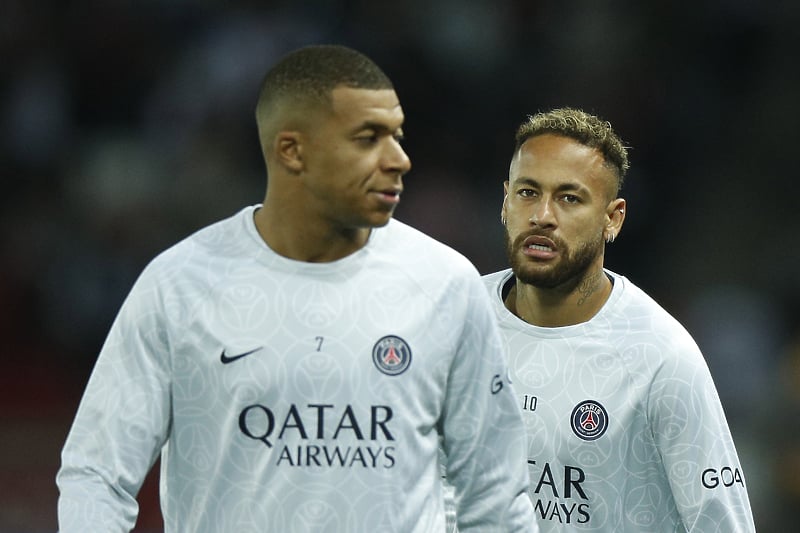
x=568, y=272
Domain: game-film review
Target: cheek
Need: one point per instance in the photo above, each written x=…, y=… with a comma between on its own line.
x=352, y=167
x=515, y=211
x=514, y=224
x=586, y=229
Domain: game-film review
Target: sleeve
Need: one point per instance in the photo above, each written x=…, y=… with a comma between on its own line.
x=696, y=446
x=484, y=442
x=121, y=423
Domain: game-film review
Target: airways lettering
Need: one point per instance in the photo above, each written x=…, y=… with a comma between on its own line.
x=561, y=513
x=335, y=456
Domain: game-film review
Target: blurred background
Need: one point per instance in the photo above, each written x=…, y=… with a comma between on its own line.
x=125, y=126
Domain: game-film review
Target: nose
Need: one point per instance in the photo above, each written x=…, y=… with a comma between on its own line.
x=395, y=158
x=543, y=214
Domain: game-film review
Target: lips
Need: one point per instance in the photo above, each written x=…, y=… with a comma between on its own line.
x=540, y=247
x=539, y=242
x=390, y=195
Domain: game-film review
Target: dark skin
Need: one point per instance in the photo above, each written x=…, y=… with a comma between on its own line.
x=334, y=174
x=560, y=209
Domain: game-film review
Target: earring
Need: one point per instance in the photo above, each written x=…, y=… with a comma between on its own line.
x=503, y=220
x=610, y=238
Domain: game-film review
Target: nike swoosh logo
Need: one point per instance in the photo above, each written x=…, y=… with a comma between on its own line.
x=231, y=358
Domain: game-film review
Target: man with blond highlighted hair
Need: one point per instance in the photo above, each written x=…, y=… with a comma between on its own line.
x=626, y=431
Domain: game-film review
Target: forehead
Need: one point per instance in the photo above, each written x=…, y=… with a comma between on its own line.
x=355, y=106
x=555, y=159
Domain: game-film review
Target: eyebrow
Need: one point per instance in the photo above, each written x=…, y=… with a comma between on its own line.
x=377, y=127
x=562, y=187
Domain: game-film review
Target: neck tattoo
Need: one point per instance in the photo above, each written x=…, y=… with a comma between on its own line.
x=587, y=287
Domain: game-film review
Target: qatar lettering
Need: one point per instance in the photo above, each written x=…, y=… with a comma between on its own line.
x=325, y=423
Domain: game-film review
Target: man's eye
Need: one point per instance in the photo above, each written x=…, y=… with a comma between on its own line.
x=526, y=193
x=571, y=199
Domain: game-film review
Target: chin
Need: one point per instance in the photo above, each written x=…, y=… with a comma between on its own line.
x=537, y=278
x=540, y=276
x=379, y=220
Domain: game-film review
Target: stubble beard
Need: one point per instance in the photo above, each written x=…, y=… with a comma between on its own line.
x=567, y=273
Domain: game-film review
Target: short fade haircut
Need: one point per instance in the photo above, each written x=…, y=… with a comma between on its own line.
x=310, y=74
x=583, y=127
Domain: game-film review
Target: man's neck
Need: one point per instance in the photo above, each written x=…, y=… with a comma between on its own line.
x=301, y=241
x=557, y=307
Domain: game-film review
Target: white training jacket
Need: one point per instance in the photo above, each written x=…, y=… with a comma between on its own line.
x=296, y=397
x=625, y=427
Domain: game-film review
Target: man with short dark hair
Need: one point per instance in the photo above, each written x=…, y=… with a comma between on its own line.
x=298, y=364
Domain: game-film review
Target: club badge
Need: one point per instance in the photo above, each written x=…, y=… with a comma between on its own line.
x=391, y=355
x=589, y=420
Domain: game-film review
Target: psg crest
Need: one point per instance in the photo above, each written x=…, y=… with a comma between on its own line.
x=589, y=420
x=391, y=355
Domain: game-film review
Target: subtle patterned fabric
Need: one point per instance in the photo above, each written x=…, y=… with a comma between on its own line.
x=626, y=431
x=295, y=397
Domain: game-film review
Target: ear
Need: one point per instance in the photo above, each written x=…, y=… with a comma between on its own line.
x=288, y=149
x=615, y=217
x=504, y=208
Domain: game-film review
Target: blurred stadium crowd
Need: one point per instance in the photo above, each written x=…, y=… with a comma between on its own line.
x=125, y=126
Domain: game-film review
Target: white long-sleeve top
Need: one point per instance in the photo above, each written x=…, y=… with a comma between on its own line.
x=297, y=397
x=625, y=427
